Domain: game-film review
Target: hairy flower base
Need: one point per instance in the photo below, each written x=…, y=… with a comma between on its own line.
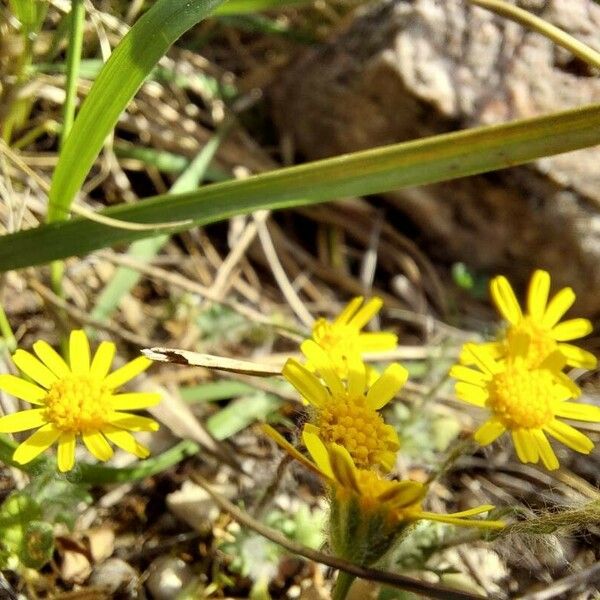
x=524, y=400
x=75, y=400
x=391, y=504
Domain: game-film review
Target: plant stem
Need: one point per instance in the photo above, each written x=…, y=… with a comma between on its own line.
x=76, y=27
x=342, y=585
x=558, y=36
x=6, y=331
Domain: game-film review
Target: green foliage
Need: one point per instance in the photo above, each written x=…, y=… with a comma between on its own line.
x=27, y=518
x=239, y=7
x=437, y=158
x=129, y=64
x=30, y=13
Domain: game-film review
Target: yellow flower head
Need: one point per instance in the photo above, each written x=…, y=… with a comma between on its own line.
x=399, y=501
x=345, y=411
x=524, y=400
x=74, y=400
x=541, y=321
x=344, y=336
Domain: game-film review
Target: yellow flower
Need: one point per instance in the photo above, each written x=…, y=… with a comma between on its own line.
x=400, y=501
x=77, y=399
x=525, y=400
x=541, y=321
x=345, y=411
x=344, y=335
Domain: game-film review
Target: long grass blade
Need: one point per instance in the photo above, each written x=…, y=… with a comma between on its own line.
x=129, y=64
x=428, y=160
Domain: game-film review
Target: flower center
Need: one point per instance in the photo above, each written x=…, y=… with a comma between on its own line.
x=78, y=404
x=541, y=344
x=358, y=428
x=522, y=397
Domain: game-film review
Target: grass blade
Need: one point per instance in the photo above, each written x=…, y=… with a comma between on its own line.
x=243, y=7
x=129, y=64
x=428, y=160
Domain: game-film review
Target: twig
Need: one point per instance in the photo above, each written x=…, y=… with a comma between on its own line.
x=82, y=317
x=279, y=273
x=399, y=581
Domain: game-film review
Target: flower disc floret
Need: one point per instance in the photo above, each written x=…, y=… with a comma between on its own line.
x=528, y=401
x=78, y=404
x=76, y=399
x=522, y=397
x=343, y=336
x=540, y=322
x=351, y=423
x=345, y=412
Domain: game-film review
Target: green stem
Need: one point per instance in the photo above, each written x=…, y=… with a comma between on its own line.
x=76, y=27
x=342, y=585
x=6, y=331
x=102, y=475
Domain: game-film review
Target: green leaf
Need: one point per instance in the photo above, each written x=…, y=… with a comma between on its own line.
x=240, y=413
x=129, y=64
x=428, y=160
x=31, y=14
x=240, y=7
x=214, y=391
x=38, y=544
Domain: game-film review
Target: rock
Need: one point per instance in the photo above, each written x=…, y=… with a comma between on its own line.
x=115, y=575
x=168, y=576
x=404, y=69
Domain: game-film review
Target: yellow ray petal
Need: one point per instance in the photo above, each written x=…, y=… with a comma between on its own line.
x=525, y=445
x=505, y=299
x=23, y=420
x=494, y=350
x=537, y=295
x=571, y=330
x=377, y=341
x=133, y=422
x=468, y=375
x=569, y=436
x=386, y=459
x=577, y=357
x=19, y=388
x=79, y=352
x=343, y=467
x=471, y=394
x=490, y=431
x=316, y=448
x=357, y=375
x=403, y=493
x=34, y=368
x=577, y=411
x=450, y=520
x=348, y=311
x=51, y=358
x=65, y=456
x=127, y=372
x=545, y=449
x=124, y=440
x=134, y=401
x=324, y=366
x=369, y=309
x=387, y=386
x=482, y=358
x=102, y=360
x=35, y=444
x=557, y=307
x=97, y=445
x=307, y=385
